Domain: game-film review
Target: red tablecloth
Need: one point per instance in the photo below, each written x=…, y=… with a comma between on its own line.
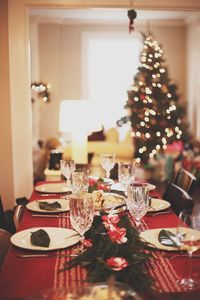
x=22, y=277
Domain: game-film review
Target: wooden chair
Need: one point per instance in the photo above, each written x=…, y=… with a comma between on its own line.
x=2, y=216
x=185, y=180
x=18, y=214
x=178, y=198
x=4, y=245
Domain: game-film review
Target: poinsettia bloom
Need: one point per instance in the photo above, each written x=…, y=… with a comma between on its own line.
x=118, y=235
x=111, y=219
x=87, y=243
x=92, y=181
x=102, y=187
x=117, y=263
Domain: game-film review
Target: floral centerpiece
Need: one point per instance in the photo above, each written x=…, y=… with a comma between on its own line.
x=113, y=248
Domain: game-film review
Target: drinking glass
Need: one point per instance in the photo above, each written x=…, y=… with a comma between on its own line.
x=81, y=208
x=107, y=163
x=80, y=181
x=126, y=174
x=66, y=168
x=137, y=200
x=188, y=234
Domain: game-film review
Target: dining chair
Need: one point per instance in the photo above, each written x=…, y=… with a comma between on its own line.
x=2, y=216
x=18, y=214
x=4, y=245
x=185, y=180
x=178, y=198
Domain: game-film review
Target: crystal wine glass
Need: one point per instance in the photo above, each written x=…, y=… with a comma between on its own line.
x=81, y=213
x=126, y=174
x=66, y=168
x=107, y=163
x=80, y=181
x=137, y=200
x=188, y=234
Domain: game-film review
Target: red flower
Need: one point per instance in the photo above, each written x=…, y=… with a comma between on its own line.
x=87, y=243
x=110, y=221
x=117, y=235
x=117, y=263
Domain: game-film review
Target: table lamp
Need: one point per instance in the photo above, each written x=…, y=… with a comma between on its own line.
x=78, y=118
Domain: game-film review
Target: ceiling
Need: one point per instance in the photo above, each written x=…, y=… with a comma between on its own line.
x=92, y=15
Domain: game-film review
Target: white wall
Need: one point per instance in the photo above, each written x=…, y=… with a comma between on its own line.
x=60, y=52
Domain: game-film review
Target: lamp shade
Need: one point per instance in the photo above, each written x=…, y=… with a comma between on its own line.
x=78, y=118
x=77, y=115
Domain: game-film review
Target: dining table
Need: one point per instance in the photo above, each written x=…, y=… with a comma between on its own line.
x=22, y=277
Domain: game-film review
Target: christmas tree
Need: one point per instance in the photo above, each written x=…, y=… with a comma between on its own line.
x=157, y=119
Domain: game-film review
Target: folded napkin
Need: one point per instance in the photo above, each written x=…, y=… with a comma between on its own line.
x=49, y=206
x=40, y=238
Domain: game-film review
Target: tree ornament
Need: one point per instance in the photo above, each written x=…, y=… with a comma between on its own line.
x=132, y=15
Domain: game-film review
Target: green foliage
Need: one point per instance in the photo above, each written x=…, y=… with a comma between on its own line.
x=135, y=251
x=157, y=118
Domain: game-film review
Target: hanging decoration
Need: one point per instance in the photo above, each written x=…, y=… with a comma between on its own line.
x=132, y=15
x=41, y=89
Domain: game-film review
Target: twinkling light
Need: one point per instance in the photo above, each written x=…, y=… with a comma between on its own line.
x=142, y=123
x=136, y=99
x=148, y=90
x=158, y=147
x=158, y=133
x=169, y=95
x=146, y=119
x=147, y=135
x=162, y=70
x=159, y=85
x=138, y=134
x=138, y=160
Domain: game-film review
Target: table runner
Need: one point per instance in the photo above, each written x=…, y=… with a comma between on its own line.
x=30, y=275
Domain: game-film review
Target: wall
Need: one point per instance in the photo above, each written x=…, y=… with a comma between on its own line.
x=60, y=51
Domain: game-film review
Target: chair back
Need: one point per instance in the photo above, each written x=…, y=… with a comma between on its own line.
x=18, y=214
x=4, y=245
x=2, y=216
x=178, y=198
x=185, y=180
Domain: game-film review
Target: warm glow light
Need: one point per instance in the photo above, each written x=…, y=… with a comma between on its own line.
x=76, y=118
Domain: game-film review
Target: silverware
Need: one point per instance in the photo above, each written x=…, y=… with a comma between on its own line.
x=183, y=255
x=161, y=213
x=50, y=216
x=46, y=255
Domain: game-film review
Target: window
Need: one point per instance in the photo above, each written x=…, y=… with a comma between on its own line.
x=111, y=65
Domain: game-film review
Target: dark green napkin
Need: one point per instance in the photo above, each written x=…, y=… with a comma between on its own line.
x=167, y=238
x=49, y=206
x=40, y=238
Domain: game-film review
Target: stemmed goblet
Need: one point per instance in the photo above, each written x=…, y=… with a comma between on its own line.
x=81, y=213
x=188, y=235
x=80, y=181
x=126, y=174
x=107, y=163
x=137, y=200
x=66, y=168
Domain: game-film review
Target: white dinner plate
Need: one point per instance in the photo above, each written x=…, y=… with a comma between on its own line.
x=34, y=205
x=158, y=204
x=151, y=236
x=111, y=201
x=52, y=188
x=118, y=187
x=59, y=238
x=105, y=180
